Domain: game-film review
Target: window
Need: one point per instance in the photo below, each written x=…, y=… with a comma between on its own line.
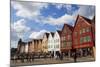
x=83, y=30
x=50, y=46
x=64, y=44
x=54, y=46
x=87, y=29
x=54, y=41
x=58, y=46
x=69, y=43
x=58, y=40
x=81, y=40
x=80, y=31
x=85, y=39
x=88, y=38
x=64, y=38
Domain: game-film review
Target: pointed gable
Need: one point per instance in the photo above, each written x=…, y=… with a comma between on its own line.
x=47, y=35
x=59, y=32
x=52, y=34
x=88, y=20
x=81, y=19
x=66, y=28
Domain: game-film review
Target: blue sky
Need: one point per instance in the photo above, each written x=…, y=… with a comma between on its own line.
x=31, y=19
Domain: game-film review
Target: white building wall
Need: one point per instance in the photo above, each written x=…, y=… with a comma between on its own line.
x=54, y=42
x=57, y=41
x=50, y=43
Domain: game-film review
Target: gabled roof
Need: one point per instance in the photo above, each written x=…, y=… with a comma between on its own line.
x=88, y=20
x=52, y=34
x=20, y=41
x=59, y=32
x=47, y=35
x=70, y=27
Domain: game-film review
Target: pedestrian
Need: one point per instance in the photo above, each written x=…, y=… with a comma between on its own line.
x=75, y=56
x=61, y=56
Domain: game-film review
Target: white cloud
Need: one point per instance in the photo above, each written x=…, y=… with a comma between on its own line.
x=37, y=35
x=86, y=11
x=20, y=28
x=61, y=20
x=28, y=9
x=59, y=6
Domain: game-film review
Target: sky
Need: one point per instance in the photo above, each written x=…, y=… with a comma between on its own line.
x=30, y=20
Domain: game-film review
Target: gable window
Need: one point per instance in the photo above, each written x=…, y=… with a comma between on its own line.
x=83, y=30
x=80, y=31
x=87, y=29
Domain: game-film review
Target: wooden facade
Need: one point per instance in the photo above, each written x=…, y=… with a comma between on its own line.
x=82, y=36
x=45, y=43
x=37, y=45
x=66, y=39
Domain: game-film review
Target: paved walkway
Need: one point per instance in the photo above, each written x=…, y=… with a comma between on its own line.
x=52, y=61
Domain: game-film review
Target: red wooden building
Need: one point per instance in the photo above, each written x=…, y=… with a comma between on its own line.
x=93, y=29
x=83, y=36
x=66, y=39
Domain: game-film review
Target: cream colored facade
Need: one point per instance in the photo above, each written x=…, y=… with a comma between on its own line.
x=31, y=46
x=45, y=43
x=40, y=45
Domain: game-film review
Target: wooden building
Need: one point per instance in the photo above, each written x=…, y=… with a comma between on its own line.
x=51, y=42
x=82, y=36
x=45, y=43
x=66, y=39
x=21, y=46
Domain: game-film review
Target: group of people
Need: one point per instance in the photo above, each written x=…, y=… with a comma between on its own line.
x=29, y=57
x=57, y=55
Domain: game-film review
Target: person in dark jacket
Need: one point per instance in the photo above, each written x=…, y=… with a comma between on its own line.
x=61, y=56
x=75, y=56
